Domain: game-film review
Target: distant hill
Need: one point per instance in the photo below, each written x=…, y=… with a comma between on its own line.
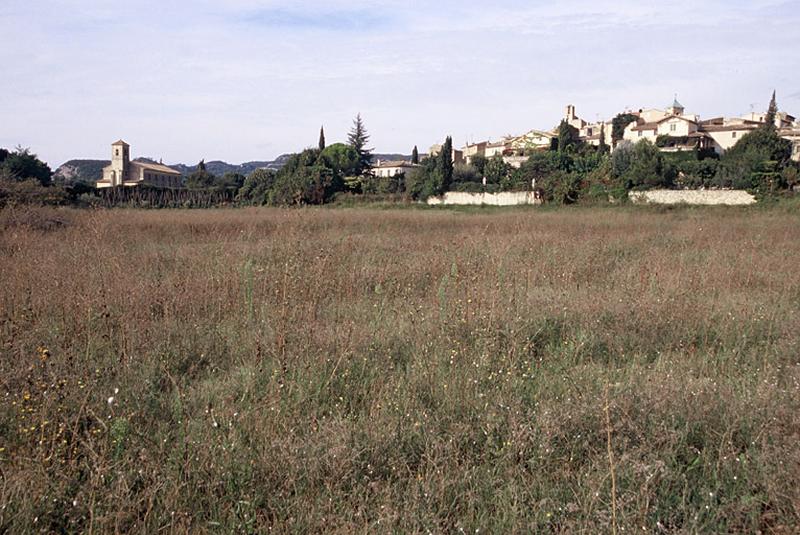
x=220, y=168
x=81, y=171
x=391, y=157
x=91, y=171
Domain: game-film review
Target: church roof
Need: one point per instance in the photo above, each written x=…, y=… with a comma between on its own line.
x=676, y=104
x=160, y=168
x=119, y=142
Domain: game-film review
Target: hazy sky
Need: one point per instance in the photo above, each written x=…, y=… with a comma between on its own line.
x=242, y=80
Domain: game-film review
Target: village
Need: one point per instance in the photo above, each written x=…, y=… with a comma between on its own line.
x=672, y=130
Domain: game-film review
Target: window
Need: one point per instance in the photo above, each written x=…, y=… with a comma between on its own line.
x=733, y=134
x=117, y=152
x=673, y=127
x=641, y=133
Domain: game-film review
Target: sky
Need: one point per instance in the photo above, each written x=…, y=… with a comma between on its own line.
x=243, y=80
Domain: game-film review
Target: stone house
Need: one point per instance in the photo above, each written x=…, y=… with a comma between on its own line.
x=389, y=169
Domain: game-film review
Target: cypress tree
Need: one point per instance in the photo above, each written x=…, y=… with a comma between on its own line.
x=358, y=138
x=603, y=147
x=567, y=136
x=772, y=111
x=321, y=138
x=415, y=155
x=446, y=164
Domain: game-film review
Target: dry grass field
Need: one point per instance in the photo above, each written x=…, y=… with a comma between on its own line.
x=590, y=370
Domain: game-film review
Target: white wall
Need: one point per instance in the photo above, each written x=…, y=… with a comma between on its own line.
x=505, y=198
x=493, y=151
x=701, y=197
x=682, y=128
x=388, y=172
x=724, y=140
x=634, y=137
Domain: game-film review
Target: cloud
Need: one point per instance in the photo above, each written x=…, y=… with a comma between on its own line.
x=343, y=20
x=230, y=80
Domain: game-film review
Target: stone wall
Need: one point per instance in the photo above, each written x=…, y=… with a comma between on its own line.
x=505, y=198
x=703, y=197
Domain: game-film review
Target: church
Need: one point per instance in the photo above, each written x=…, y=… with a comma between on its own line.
x=124, y=172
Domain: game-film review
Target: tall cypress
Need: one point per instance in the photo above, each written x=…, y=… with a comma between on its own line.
x=446, y=164
x=772, y=112
x=321, y=138
x=602, y=147
x=415, y=155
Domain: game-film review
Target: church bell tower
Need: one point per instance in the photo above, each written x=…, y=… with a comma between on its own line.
x=120, y=162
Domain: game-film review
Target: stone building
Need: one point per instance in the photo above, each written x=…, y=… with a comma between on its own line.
x=124, y=172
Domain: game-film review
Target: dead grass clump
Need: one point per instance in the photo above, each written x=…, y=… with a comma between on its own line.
x=33, y=218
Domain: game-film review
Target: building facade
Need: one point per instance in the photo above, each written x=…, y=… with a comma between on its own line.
x=388, y=169
x=124, y=172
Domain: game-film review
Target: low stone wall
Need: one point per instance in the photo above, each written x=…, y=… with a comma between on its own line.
x=693, y=196
x=504, y=198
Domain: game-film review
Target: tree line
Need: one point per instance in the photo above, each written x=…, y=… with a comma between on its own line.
x=568, y=171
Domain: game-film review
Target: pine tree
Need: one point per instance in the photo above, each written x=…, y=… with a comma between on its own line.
x=358, y=138
x=772, y=111
x=201, y=166
x=446, y=163
x=321, y=138
x=415, y=155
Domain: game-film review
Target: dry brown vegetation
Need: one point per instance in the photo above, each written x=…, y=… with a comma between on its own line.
x=400, y=371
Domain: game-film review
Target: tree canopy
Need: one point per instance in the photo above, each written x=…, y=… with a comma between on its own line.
x=567, y=136
x=619, y=123
x=256, y=186
x=342, y=159
x=23, y=165
x=200, y=178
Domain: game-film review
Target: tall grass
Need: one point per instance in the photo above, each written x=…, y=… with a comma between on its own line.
x=367, y=371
